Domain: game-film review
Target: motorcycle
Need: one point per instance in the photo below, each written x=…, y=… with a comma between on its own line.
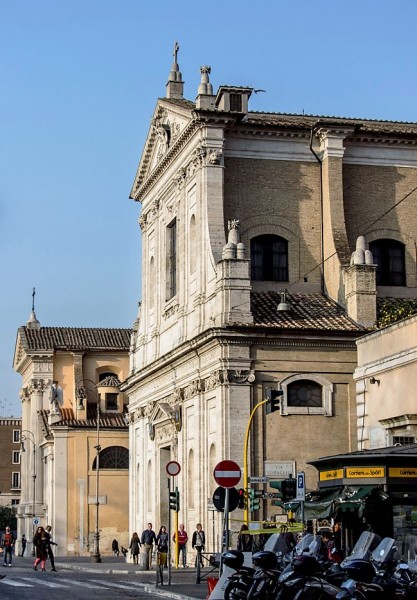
x=240, y=581
x=382, y=576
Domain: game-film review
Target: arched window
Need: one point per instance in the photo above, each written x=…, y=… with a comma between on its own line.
x=307, y=394
x=269, y=258
x=151, y=282
x=389, y=256
x=193, y=253
x=190, y=479
x=304, y=393
x=114, y=457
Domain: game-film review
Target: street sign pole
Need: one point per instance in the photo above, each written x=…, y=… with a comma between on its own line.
x=169, y=534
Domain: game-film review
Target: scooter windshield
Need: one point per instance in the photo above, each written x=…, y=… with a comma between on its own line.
x=363, y=547
x=384, y=552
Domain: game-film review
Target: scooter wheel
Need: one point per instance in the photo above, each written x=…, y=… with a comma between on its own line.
x=236, y=590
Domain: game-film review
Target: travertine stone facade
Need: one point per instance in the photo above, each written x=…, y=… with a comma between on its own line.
x=208, y=339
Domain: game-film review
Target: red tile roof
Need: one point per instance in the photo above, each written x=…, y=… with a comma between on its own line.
x=107, y=420
x=308, y=312
x=75, y=338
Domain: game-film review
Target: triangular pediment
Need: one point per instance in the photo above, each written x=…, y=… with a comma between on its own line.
x=19, y=351
x=170, y=120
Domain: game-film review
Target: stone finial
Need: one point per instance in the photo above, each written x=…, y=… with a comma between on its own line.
x=205, y=99
x=33, y=322
x=205, y=86
x=175, y=85
x=362, y=255
x=234, y=247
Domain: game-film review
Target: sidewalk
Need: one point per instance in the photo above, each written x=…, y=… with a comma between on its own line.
x=183, y=581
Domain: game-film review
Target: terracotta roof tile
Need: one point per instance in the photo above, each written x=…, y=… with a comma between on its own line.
x=107, y=420
x=308, y=312
x=75, y=338
x=306, y=122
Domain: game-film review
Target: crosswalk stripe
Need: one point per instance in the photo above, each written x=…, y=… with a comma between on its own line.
x=132, y=587
x=83, y=583
x=39, y=581
x=13, y=583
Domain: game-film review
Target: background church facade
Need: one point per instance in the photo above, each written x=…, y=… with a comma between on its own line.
x=236, y=207
x=73, y=414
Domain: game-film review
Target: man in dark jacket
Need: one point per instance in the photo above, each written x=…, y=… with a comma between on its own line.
x=147, y=540
x=7, y=543
x=50, y=544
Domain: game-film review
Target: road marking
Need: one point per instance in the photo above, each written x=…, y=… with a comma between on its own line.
x=39, y=581
x=82, y=583
x=14, y=583
x=132, y=587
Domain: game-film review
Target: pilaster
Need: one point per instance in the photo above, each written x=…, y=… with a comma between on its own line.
x=336, y=253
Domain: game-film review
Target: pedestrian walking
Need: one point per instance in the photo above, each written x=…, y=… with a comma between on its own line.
x=115, y=547
x=50, y=544
x=198, y=542
x=41, y=543
x=134, y=547
x=182, y=545
x=7, y=543
x=23, y=542
x=148, y=539
x=162, y=546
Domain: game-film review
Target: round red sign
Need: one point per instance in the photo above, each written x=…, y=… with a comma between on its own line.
x=173, y=468
x=227, y=473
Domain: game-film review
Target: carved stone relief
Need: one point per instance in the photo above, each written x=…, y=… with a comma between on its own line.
x=38, y=385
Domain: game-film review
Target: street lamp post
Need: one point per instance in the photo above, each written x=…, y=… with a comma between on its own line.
x=81, y=393
x=245, y=461
x=27, y=435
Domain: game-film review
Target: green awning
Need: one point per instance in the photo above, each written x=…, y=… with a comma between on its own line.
x=321, y=507
x=352, y=498
x=325, y=502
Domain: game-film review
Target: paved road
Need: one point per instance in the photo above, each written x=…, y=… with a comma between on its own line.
x=81, y=579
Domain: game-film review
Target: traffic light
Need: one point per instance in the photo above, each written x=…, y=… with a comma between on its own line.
x=274, y=398
x=279, y=496
x=254, y=499
x=242, y=499
x=288, y=489
x=174, y=500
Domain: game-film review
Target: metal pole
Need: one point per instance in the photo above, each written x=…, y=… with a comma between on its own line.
x=96, y=555
x=169, y=533
x=245, y=461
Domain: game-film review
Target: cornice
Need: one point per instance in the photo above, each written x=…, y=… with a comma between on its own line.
x=143, y=184
x=243, y=338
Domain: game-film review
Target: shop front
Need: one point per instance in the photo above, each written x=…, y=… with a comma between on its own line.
x=370, y=489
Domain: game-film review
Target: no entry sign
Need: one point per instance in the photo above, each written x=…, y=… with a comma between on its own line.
x=227, y=473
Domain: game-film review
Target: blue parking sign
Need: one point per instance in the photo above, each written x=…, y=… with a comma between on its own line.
x=301, y=490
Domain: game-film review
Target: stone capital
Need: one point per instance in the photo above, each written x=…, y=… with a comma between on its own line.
x=332, y=141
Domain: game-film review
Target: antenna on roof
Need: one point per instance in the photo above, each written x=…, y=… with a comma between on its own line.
x=33, y=300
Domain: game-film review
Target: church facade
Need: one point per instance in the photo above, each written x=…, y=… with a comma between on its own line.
x=74, y=436
x=266, y=238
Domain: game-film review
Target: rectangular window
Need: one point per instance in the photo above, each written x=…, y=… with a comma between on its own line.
x=16, y=481
x=15, y=501
x=403, y=440
x=235, y=102
x=16, y=436
x=111, y=401
x=171, y=272
x=16, y=457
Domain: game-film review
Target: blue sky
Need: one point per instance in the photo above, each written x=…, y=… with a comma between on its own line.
x=78, y=86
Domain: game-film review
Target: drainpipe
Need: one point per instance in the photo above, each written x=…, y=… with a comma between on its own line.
x=321, y=208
